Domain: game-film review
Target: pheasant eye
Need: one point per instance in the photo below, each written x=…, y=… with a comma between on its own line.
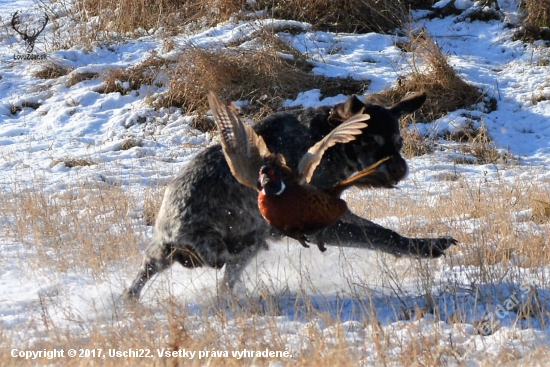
x=268, y=171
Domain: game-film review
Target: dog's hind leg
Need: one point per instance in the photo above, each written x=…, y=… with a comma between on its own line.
x=157, y=258
x=208, y=249
x=237, y=262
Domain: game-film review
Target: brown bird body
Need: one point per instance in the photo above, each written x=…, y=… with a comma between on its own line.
x=301, y=209
x=286, y=199
x=297, y=208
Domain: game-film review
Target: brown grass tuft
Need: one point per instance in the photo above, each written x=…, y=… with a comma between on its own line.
x=152, y=201
x=261, y=76
x=415, y=145
x=75, y=162
x=76, y=77
x=431, y=72
x=479, y=145
x=541, y=209
x=124, y=16
x=130, y=143
x=125, y=80
x=52, y=69
x=536, y=20
x=14, y=109
x=537, y=13
x=342, y=16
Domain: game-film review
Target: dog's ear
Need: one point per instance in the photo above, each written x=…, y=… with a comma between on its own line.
x=409, y=104
x=341, y=112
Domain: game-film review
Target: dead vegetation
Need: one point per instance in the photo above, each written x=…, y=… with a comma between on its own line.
x=71, y=162
x=431, y=72
x=123, y=81
x=503, y=214
x=265, y=78
x=130, y=143
x=414, y=144
x=87, y=225
x=260, y=75
x=126, y=17
x=352, y=16
x=536, y=21
x=91, y=228
x=16, y=108
x=483, y=149
x=52, y=69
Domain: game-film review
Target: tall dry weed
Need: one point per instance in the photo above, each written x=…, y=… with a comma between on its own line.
x=85, y=226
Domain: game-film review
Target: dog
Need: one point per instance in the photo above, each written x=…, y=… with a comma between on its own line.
x=208, y=218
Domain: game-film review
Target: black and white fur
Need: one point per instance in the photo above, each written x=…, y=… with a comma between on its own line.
x=208, y=218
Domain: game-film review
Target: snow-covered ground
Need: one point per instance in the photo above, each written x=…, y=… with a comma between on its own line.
x=78, y=123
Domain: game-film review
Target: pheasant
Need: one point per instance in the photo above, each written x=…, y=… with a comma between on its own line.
x=286, y=199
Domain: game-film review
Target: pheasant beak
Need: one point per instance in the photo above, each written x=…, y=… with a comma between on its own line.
x=264, y=179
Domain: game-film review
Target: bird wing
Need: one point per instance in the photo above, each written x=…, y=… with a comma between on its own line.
x=244, y=150
x=365, y=172
x=344, y=185
x=343, y=133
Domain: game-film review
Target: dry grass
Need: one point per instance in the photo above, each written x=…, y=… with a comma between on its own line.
x=493, y=208
x=126, y=80
x=152, y=200
x=342, y=16
x=537, y=13
x=431, y=72
x=415, y=145
x=14, y=109
x=89, y=226
x=125, y=17
x=260, y=76
x=479, y=145
x=536, y=20
x=447, y=92
x=130, y=143
x=52, y=69
x=74, y=162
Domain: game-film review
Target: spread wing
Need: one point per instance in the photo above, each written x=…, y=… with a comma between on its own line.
x=367, y=171
x=244, y=150
x=344, y=185
x=344, y=133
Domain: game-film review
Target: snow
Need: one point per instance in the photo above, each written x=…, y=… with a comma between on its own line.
x=78, y=122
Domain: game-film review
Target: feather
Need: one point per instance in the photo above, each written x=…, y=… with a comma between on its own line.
x=244, y=150
x=343, y=133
